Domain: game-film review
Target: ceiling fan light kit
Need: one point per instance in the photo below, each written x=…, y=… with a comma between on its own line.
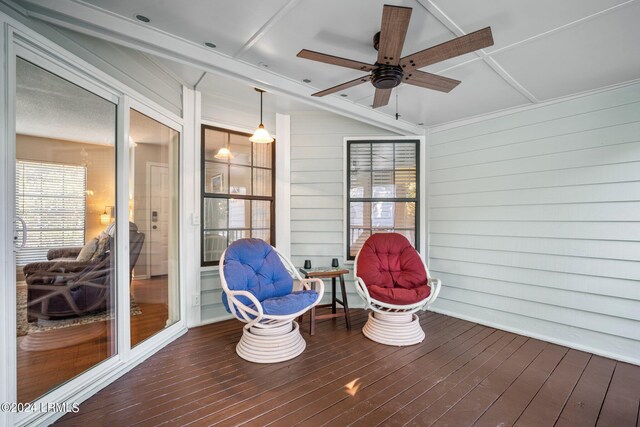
x=390, y=69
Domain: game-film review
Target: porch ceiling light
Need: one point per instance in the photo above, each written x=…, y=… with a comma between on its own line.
x=225, y=152
x=261, y=135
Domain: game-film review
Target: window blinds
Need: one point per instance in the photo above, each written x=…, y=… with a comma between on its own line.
x=51, y=199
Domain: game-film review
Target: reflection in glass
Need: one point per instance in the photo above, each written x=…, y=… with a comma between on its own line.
x=154, y=212
x=214, y=243
x=262, y=182
x=65, y=194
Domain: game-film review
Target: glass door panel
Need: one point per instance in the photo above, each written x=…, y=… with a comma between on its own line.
x=153, y=216
x=65, y=199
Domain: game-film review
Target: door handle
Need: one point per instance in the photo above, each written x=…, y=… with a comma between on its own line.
x=23, y=243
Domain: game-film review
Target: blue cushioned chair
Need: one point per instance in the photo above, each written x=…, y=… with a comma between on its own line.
x=257, y=284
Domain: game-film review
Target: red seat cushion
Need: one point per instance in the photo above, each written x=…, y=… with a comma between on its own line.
x=392, y=270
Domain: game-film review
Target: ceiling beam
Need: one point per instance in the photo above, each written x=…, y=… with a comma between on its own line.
x=88, y=19
x=434, y=10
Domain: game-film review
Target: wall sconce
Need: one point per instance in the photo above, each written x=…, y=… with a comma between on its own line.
x=107, y=216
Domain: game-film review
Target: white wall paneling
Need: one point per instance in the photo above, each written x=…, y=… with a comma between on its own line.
x=534, y=221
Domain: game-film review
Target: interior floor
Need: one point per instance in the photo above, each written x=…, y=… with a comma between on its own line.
x=462, y=374
x=40, y=371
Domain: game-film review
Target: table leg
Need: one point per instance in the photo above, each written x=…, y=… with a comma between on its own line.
x=345, y=304
x=312, y=321
x=333, y=295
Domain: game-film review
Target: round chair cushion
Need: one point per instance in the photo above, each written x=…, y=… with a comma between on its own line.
x=392, y=270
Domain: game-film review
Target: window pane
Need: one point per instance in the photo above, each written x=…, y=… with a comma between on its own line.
x=360, y=214
x=357, y=237
x=405, y=215
x=382, y=156
x=405, y=183
x=214, y=243
x=360, y=159
x=240, y=149
x=215, y=213
x=262, y=155
x=237, y=234
x=262, y=182
x=239, y=213
x=260, y=214
x=383, y=185
x=216, y=177
x=405, y=156
x=240, y=180
x=262, y=234
x=214, y=140
x=360, y=184
x=382, y=214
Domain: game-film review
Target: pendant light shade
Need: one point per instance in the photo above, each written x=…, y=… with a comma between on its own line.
x=225, y=152
x=261, y=135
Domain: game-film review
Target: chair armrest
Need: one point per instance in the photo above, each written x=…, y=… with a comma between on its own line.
x=71, y=252
x=435, y=285
x=245, y=311
x=362, y=290
x=306, y=283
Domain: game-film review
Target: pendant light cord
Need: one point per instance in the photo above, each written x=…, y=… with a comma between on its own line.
x=261, y=106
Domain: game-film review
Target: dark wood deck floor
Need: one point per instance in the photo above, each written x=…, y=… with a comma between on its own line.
x=462, y=374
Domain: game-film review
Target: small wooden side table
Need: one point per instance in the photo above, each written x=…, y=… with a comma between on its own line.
x=333, y=273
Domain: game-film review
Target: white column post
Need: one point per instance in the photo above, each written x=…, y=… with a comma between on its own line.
x=283, y=184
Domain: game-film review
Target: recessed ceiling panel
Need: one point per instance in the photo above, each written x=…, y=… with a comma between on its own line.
x=513, y=21
x=593, y=54
x=481, y=91
x=227, y=24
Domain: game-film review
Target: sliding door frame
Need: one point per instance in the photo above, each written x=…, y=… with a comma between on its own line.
x=16, y=39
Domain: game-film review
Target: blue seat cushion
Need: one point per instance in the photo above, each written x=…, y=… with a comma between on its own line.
x=289, y=304
x=252, y=265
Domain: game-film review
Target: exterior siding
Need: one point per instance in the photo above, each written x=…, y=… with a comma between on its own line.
x=534, y=221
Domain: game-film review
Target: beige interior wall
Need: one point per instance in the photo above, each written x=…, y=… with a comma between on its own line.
x=100, y=170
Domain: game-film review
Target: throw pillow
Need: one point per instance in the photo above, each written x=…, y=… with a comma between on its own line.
x=88, y=250
x=102, y=247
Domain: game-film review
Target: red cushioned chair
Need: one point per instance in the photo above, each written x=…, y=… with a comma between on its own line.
x=394, y=283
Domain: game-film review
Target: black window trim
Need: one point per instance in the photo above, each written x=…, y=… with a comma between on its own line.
x=381, y=199
x=204, y=195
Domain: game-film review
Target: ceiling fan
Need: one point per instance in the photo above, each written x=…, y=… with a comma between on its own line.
x=390, y=69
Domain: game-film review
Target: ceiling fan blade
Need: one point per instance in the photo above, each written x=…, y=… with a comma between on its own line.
x=395, y=21
x=456, y=47
x=343, y=86
x=381, y=98
x=334, y=60
x=430, y=81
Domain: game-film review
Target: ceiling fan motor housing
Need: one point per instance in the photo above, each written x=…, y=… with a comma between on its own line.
x=386, y=76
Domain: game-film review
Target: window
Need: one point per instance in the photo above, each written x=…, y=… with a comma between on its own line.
x=237, y=191
x=383, y=190
x=51, y=199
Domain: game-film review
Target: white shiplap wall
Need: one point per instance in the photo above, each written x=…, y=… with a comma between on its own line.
x=317, y=202
x=317, y=187
x=535, y=221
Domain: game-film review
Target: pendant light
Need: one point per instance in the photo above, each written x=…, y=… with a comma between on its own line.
x=225, y=152
x=261, y=135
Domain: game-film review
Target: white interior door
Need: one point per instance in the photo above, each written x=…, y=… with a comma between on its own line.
x=159, y=220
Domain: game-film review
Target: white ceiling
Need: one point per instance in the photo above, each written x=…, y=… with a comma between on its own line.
x=544, y=49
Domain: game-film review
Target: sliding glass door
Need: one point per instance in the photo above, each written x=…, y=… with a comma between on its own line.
x=65, y=205
x=153, y=221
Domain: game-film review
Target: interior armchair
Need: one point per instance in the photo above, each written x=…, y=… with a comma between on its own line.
x=76, y=281
x=394, y=283
x=257, y=283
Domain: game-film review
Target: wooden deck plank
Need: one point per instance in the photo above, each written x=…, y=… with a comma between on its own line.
x=480, y=398
x=211, y=409
x=365, y=403
x=584, y=404
x=372, y=379
x=507, y=409
x=416, y=398
x=380, y=357
x=462, y=374
x=620, y=407
x=548, y=403
x=428, y=414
